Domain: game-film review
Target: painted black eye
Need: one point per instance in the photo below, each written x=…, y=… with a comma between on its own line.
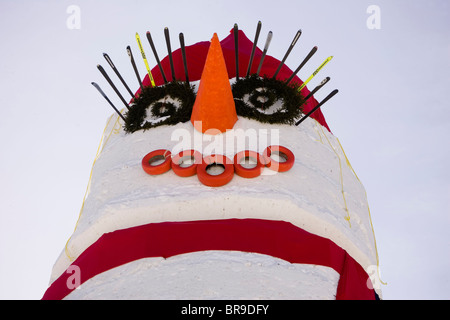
x=262, y=98
x=163, y=108
x=164, y=105
x=267, y=100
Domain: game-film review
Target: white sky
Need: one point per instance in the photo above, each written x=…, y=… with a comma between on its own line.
x=391, y=115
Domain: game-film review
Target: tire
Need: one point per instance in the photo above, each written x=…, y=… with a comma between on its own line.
x=186, y=171
x=248, y=172
x=275, y=165
x=153, y=156
x=215, y=180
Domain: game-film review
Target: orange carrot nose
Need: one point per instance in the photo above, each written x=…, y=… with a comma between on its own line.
x=214, y=106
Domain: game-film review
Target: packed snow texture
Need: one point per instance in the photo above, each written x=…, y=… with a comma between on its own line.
x=211, y=275
x=320, y=194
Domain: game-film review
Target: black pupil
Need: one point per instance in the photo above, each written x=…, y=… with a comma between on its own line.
x=162, y=109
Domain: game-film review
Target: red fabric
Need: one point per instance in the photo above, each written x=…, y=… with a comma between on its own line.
x=275, y=238
x=196, y=56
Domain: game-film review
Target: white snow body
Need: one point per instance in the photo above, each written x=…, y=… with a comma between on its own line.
x=208, y=275
x=320, y=194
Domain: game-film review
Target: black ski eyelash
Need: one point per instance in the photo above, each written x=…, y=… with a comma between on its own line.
x=292, y=99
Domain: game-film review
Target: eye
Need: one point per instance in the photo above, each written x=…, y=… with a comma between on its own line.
x=164, y=105
x=267, y=100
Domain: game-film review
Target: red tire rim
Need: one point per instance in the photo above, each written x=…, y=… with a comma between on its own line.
x=284, y=153
x=215, y=180
x=248, y=172
x=190, y=170
x=154, y=156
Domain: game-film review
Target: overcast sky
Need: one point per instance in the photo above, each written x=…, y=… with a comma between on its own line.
x=391, y=115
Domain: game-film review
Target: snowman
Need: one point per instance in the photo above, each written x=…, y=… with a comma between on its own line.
x=220, y=179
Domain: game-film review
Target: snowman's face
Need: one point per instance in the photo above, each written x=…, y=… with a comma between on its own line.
x=216, y=106
x=213, y=110
x=251, y=145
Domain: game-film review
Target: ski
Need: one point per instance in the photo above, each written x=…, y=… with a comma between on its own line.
x=108, y=59
x=138, y=39
x=107, y=99
x=152, y=45
x=310, y=54
x=318, y=106
x=103, y=72
x=169, y=51
x=236, y=49
x=258, y=30
x=183, y=53
x=317, y=88
x=130, y=54
x=297, y=36
x=266, y=47
x=314, y=73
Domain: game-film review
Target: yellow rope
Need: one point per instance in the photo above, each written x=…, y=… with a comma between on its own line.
x=367, y=201
x=317, y=131
x=341, y=179
x=99, y=150
x=368, y=209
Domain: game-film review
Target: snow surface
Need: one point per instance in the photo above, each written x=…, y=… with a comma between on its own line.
x=211, y=275
x=121, y=195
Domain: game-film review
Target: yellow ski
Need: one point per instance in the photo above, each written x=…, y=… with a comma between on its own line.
x=314, y=73
x=138, y=39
